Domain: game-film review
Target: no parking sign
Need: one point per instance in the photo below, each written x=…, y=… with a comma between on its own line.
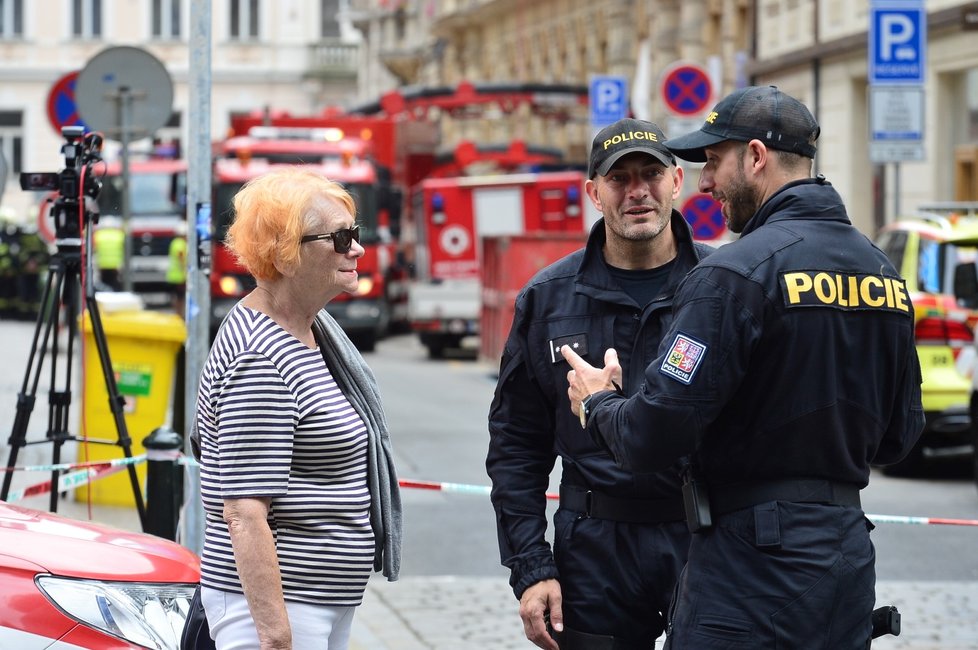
x=62, y=110
x=686, y=89
x=705, y=217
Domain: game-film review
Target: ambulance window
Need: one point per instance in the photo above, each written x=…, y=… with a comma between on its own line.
x=928, y=267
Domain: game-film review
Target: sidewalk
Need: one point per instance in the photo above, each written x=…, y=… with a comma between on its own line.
x=480, y=613
x=448, y=613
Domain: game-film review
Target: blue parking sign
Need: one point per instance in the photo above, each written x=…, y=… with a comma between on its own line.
x=608, y=99
x=897, y=42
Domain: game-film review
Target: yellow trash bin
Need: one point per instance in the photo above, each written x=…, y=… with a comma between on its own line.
x=143, y=348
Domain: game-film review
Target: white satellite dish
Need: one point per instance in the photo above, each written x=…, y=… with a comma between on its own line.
x=124, y=92
x=127, y=94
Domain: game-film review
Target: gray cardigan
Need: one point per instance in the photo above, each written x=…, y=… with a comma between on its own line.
x=360, y=386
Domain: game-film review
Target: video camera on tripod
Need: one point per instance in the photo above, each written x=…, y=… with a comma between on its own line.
x=74, y=183
x=77, y=187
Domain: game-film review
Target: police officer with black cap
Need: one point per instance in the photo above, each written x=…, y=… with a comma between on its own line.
x=789, y=368
x=620, y=538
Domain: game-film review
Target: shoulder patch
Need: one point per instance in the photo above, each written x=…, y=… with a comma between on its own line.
x=684, y=358
x=842, y=290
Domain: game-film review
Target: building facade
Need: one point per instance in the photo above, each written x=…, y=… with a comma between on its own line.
x=298, y=55
x=813, y=49
x=303, y=55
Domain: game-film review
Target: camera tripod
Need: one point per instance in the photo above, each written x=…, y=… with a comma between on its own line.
x=63, y=290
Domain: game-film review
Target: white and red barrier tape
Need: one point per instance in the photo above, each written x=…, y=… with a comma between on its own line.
x=97, y=469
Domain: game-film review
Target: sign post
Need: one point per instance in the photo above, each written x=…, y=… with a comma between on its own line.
x=897, y=63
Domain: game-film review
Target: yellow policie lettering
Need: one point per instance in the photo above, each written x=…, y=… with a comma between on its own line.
x=844, y=290
x=631, y=135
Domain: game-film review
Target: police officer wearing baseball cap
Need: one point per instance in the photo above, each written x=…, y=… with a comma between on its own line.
x=620, y=536
x=789, y=368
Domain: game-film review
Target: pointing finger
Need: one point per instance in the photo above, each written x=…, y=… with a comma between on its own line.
x=573, y=358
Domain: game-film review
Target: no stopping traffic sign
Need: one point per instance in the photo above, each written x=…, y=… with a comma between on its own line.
x=705, y=216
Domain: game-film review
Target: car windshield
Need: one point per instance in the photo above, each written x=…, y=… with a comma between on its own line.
x=149, y=193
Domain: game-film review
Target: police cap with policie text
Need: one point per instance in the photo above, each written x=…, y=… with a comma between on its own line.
x=624, y=137
x=757, y=112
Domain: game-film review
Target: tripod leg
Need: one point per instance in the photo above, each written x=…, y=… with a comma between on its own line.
x=47, y=317
x=116, y=402
x=59, y=402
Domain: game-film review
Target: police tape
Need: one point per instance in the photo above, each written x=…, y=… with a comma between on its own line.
x=68, y=481
x=876, y=519
x=94, y=470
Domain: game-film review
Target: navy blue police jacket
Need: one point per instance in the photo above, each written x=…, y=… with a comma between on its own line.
x=790, y=356
x=530, y=422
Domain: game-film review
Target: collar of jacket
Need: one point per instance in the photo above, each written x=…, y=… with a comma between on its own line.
x=808, y=198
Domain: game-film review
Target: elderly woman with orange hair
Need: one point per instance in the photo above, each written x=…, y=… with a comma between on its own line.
x=297, y=480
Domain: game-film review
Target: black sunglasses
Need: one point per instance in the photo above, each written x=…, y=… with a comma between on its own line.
x=342, y=239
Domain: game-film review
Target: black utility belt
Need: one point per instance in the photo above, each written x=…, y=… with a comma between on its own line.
x=629, y=511
x=703, y=503
x=728, y=498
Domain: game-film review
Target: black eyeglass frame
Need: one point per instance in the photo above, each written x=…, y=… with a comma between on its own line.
x=342, y=239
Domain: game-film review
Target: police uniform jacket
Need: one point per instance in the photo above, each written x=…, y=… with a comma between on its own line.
x=791, y=356
x=574, y=300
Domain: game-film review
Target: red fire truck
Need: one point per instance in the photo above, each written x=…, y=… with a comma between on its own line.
x=402, y=134
x=366, y=315
x=455, y=214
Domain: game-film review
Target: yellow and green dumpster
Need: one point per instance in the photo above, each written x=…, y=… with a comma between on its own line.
x=143, y=347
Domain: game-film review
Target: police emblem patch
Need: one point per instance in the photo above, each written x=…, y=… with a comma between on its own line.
x=683, y=359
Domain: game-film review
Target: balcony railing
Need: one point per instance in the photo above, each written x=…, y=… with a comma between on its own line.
x=333, y=59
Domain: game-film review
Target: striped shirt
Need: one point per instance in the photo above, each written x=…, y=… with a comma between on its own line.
x=273, y=423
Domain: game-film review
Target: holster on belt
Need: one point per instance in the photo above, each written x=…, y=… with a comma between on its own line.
x=696, y=500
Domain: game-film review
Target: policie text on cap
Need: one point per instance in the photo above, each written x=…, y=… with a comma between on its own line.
x=624, y=137
x=754, y=113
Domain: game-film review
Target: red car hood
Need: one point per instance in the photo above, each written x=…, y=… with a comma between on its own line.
x=85, y=549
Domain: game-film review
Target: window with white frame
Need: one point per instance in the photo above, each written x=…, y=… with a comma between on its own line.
x=11, y=18
x=12, y=140
x=329, y=18
x=86, y=18
x=166, y=18
x=244, y=20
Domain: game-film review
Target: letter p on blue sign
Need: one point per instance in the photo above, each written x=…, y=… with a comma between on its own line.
x=897, y=42
x=608, y=99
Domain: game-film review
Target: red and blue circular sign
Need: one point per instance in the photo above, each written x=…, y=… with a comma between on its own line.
x=705, y=216
x=687, y=89
x=62, y=109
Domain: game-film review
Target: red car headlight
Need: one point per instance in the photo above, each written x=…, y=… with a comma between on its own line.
x=143, y=613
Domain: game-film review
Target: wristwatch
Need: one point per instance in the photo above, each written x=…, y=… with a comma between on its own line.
x=585, y=410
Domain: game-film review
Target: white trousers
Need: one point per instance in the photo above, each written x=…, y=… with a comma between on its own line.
x=314, y=627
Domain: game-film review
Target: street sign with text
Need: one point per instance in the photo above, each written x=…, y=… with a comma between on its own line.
x=897, y=42
x=896, y=123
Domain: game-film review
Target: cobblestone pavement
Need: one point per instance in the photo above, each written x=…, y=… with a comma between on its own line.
x=480, y=613
x=449, y=613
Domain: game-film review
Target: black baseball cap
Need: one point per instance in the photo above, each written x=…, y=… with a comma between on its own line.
x=757, y=112
x=624, y=137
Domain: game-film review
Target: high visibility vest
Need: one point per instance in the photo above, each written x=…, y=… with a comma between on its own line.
x=110, y=247
x=176, y=271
